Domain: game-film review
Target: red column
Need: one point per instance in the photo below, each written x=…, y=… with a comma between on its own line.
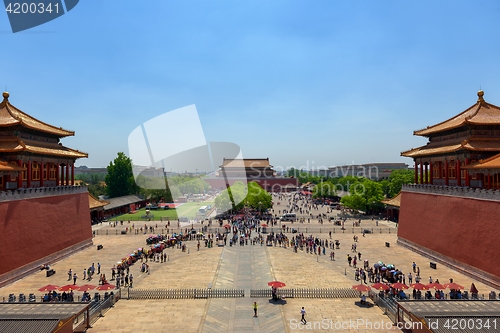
x=42, y=165
x=459, y=176
x=67, y=175
x=431, y=176
x=20, y=177
x=421, y=173
x=416, y=172
x=467, y=179
x=446, y=172
x=28, y=180
x=489, y=181
x=426, y=173
x=72, y=174
x=57, y=174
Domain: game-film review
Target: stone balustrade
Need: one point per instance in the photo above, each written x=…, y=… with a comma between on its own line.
x=39, y=192
x=456, y=191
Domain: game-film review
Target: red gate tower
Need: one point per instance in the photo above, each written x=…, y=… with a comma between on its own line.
x=39, y=204
x=450, y=213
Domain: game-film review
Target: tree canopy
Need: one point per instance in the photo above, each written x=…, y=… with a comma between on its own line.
x=120, y=179
x=240, y=195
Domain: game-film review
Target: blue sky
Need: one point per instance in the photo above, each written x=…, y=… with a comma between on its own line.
x=305, y=83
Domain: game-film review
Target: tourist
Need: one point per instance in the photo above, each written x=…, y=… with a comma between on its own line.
x=74, y=278
x=255, y=309
x=414, y=265
x=70, y=274
x=303, y=313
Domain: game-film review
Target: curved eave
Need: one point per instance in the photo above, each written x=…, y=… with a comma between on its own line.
x=20, y=118
x=396, y=201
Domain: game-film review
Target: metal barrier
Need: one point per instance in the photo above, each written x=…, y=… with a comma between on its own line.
x=184, y=293
x=120, y=230
x=307, y=293
x=97, y=309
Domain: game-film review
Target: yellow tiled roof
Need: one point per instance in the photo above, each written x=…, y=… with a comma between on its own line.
x=471, y=144
x=11, y=145
x=396, y=201
x=11, y=116
x=96, y=203
x=6, y=166
x=481, y=113
x=489, y=163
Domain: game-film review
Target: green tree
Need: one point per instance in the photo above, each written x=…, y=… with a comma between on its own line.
x=258, y=198
x=397, y=179
x=120, y=179
x=325, y=189
x=365, y=195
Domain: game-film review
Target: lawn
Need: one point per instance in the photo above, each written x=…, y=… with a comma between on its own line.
x=188, y=209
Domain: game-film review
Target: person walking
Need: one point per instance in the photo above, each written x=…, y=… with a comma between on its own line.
x=303, y=313
x=74, y=278
x=255, y=306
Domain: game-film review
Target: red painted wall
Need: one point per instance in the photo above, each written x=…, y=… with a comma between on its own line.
x=35, y=228
x=464, y=229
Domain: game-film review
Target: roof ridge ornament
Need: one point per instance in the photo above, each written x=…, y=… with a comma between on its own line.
x=480, y=95
x=5, y=96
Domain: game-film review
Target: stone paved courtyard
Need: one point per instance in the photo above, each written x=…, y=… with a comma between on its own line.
x=246, y=267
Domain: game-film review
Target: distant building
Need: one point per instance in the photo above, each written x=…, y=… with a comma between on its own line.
x=373, y=171
x=83, y=170
x=258, y=170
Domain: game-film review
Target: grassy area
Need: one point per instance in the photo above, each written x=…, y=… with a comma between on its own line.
x=188, y=209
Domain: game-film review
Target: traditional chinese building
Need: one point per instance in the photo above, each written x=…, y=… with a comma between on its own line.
x=33, y=147
x=246, y=168
x=39, y=205
x=458, y=146
x=258, y=170
x=449, y=214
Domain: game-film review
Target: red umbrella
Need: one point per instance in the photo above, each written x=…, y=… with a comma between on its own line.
x=276, y=284
x=86, y=287
x=263, y=225
x=380, y=286
x=361, y=287
x=399, y=285
x=227, y=226
x=436, y=285
x=68, y=287
x=48, y=287
x=453, y=285
x=106, y=286
x=419, y=286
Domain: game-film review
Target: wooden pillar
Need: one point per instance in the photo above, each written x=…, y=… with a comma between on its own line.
x=459, y=176
x=28, y=175
x=416, y=172
x=467, y=179
x=72, y=174
x=431, y=175
x=421, y=173
x=489, y=181
x=446, y=172
x=67, y=175
x=57, y=174
x=20, y=177
x=42, y=165
x=426, y=173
